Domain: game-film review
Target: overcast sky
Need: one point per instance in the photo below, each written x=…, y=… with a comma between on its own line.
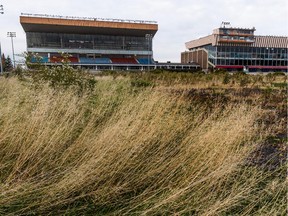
x=179, y=21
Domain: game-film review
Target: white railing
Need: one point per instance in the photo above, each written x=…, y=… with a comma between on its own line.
x=88, y=18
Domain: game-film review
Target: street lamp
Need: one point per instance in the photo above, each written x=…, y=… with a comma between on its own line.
x=148, y=38
x=12, y=34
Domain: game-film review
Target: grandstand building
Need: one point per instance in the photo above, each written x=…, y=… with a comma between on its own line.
x=238, y=49
x=94, y=43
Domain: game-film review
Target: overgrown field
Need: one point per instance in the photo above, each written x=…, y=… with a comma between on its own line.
x=144, y=144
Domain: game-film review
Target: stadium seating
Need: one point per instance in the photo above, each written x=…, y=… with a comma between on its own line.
x=95, y=61
x=41, y=60
x=57, y=59
x=86, y=60
x=124, y=61
x=145, y=61
x=102, y=61
x=73, y=59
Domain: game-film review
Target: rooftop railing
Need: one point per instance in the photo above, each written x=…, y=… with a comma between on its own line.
x=88, y=18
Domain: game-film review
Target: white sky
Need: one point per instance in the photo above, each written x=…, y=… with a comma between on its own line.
x=179, y=21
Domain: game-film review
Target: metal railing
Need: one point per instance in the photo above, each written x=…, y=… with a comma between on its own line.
x=88, y=18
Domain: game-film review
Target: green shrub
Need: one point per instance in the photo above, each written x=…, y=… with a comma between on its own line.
x=60, y=76
x=157, y=71
x=240, y=73
x=220, y=71
x=141, y=83
x=33, y=61
x=271, y=77
x=280, y=85
x=226, y=79
x=278, y=73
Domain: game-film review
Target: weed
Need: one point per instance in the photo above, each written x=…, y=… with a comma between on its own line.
x=141, y=83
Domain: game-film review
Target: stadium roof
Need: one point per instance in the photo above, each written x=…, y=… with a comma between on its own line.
x=259, y=41
x=86, y=25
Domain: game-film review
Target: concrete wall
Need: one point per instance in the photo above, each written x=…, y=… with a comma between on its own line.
x=199, y=56
x=210, y=39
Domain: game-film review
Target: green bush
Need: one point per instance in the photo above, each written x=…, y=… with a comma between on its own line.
x=280, y=85
x=240, y=73
x=279, y=73
x=60, y=76
x=157, y=71
x=141, y=83
x=220, y=71
x=226, y=79
x=271, y=77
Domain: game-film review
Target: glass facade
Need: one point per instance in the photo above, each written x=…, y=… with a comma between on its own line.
x=85, y=41
x=246, y=55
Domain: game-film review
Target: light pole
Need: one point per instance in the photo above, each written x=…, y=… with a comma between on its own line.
x=1, y=65
x=148, y=38
x=12, y=34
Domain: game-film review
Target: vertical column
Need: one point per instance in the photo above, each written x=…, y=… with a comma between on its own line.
x=12, y=34
x=149, y=41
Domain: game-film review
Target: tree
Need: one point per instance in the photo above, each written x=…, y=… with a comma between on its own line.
x=6, y=63
x=8, y=66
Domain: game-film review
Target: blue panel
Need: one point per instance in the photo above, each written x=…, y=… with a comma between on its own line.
x=102, y=61
x=145, y=61
x=95, y=61
x=42, y=60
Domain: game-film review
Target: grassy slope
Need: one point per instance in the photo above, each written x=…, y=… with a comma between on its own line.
x=130, y=151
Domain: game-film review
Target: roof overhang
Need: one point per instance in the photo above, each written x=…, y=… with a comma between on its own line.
x=57, y=25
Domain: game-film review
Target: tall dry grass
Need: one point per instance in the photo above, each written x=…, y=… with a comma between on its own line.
x=130, y=151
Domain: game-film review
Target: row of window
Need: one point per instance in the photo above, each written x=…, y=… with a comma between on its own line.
x=248, y=62
x=247, y=52
x=249, y=55
x=241, y=38
x=78, y=41
x=246, y=49
x=236, y=31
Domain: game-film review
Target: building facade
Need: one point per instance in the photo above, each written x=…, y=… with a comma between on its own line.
x=94, y=43
x=91, y=42
x=238, y=49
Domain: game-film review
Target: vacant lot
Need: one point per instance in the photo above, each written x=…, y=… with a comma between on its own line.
x=158, y=143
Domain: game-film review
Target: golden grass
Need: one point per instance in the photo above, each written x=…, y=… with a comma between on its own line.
x=129, y=151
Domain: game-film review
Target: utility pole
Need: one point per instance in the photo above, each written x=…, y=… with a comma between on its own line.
x=12, y=34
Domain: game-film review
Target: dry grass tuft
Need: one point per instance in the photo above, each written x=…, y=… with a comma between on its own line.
x=131, y=151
